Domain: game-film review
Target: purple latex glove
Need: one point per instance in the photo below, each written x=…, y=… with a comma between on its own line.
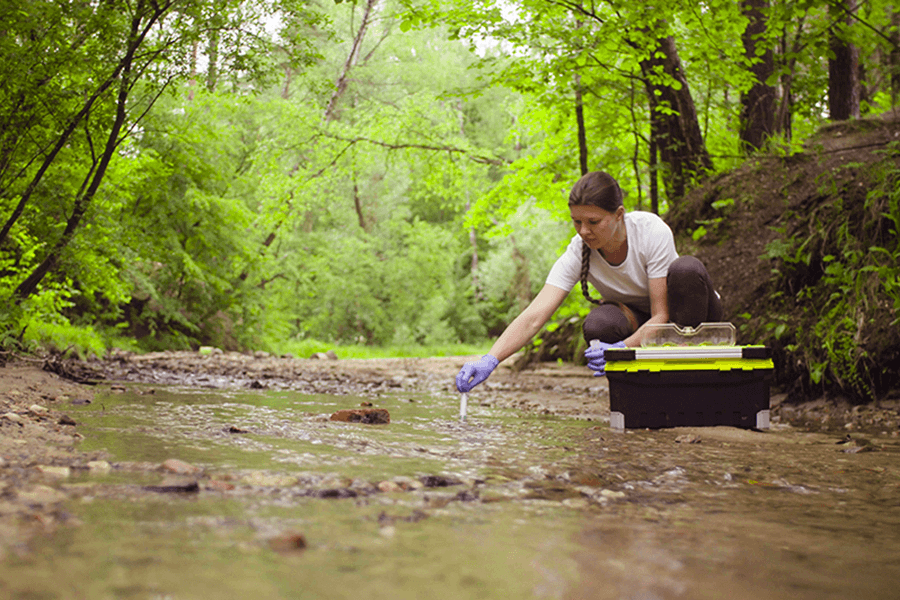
x=596, y=356
x=475, y=372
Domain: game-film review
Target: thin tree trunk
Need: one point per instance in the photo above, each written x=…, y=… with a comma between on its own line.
x=843, y=69
x=357, y=205
x=95, y=175
x=784, y=110
x=894, y=59
x=61, y=143
x=582, y=134
x=473, y=267
x=212, y=53
x=758, y=103
x=679, y=139
x=352, y=58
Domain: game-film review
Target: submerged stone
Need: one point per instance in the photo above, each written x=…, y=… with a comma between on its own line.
x=368, y=416
x=288, y=543
x=173, y=465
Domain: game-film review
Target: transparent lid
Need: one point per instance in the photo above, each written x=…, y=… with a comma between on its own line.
x=705, y=334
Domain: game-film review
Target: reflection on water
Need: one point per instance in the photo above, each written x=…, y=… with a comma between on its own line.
x=505, y=505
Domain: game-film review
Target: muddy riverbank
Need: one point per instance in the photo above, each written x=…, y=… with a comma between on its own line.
x=39, y=439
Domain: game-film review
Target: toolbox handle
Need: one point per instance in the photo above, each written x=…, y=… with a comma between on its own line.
x=688, y=353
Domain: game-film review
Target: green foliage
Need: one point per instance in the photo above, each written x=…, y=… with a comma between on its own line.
x=840, y=276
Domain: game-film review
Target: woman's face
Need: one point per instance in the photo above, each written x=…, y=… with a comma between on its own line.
x=597, y=227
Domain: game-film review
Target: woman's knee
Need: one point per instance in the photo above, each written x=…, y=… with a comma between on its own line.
x=606, y=323
x=692, y=297
x=686, y=269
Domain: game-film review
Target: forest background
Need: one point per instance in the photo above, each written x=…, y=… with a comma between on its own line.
x=390, y=176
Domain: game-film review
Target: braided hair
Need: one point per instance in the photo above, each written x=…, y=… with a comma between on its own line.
x=594, y=189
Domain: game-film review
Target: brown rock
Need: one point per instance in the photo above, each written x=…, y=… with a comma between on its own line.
x=288, y=543
x=38, y=410
x=173, y=465
x=368, y=416
x=219, y=485
x=11, y=416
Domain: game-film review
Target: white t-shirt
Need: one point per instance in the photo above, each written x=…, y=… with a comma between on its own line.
x=651, y=249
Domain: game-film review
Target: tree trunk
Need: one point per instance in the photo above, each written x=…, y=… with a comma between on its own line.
x=758, y=103
x=357, y=205
x=894, y=61
x=582, y=134
x=341, y=84
x=96, y=174
x=212, y=53
x=679, y=139
x=783, y=113
x=843, y=69
x=61, y=143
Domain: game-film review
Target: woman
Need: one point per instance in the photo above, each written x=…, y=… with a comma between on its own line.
x=630, y=258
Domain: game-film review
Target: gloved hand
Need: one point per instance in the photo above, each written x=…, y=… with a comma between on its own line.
x=477, y=371
x=596, y=356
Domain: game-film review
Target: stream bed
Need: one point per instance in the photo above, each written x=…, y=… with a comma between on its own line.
x=256, y=494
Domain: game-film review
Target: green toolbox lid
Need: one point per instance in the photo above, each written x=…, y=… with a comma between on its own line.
x=688, y=358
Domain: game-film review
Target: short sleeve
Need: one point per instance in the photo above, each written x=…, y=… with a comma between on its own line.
x=566, y=271
x=660, y=245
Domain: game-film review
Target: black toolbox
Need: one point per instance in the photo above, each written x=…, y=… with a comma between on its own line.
x=689, y=386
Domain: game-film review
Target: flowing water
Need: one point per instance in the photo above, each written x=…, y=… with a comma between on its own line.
x=504, y=505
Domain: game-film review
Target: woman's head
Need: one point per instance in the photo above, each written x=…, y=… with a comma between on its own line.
x=597, y=189
x=596, y=204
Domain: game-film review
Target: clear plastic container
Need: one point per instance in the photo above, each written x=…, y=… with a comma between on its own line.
x=671, y=335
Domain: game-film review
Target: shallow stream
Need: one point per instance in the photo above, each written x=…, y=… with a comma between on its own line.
x=287, y=504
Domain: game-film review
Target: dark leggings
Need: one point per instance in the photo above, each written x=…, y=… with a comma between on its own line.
x=692, y=300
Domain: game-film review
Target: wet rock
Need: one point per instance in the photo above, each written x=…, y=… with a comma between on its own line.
x=432, y=481
x=261, y=479
x=335, y=493
x=611, y=495
x=57, y=472
x=179, y=467
x=467, y=496
x=41, y=494
x=389, y=487
x=288, y=543
x=408, y=483
x=13, y=418
x=175, y=487
x=218, y=485
x=99, y=467
x=368, y=416
x=386, y=520
x=38, y=410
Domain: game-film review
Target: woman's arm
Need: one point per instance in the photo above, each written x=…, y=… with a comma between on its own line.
x=659, y=310
x=529, y=322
